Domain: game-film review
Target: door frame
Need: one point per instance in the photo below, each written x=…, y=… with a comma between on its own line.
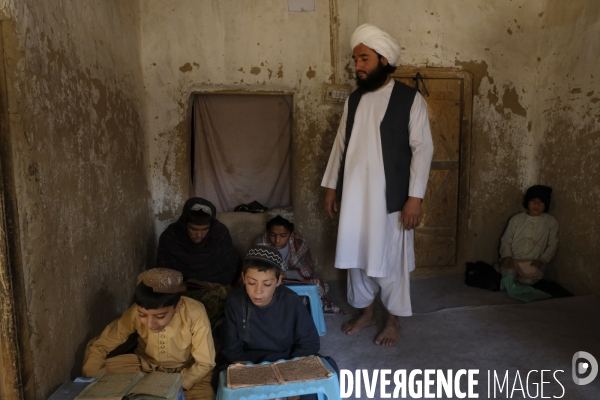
x=15, y=359
x=466, y=112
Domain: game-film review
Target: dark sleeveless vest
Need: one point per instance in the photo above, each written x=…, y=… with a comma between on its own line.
x=395, y=145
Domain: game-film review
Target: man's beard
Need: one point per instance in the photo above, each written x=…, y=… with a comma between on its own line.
x=374, y=79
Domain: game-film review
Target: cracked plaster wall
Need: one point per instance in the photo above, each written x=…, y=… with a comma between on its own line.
x=76, y=119
x=497, y=42
x=190, y=46
x=569, y=151
x=534, y=95
x=507, y=45
x=87, y=131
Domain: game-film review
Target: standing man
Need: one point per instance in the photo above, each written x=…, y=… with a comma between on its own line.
x=378, y=169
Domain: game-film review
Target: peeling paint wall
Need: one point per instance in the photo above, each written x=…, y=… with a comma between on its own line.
x=190, y=46
x=569, y=130
x=508, y=46
x=534, y=94
x=99, y=97
x=77, y=128
x=498, y=42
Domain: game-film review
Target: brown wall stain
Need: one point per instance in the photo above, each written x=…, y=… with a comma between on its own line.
x=187, y=67
x=349, y=70
x=570, y=143
x=498, y=140
x=310, y=158
x=78, y=142
x=507, y=129
x=510, y=100
x=479, y=69
x=574, y=178
x=84, y=149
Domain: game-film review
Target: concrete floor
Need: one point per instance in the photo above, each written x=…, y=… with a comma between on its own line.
x=455, y=327
x=428, y=295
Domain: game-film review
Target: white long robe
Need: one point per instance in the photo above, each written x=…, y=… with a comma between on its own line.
x=530, y=238
x=368, y=237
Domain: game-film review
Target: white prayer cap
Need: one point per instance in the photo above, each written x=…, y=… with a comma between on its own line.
x=379, y=40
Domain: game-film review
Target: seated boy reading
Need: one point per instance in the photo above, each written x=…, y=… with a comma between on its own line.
x=174, y=335
x=530, y=235
x=264, y=320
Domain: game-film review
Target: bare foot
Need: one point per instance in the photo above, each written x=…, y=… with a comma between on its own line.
x=359, y=322
x=390, y=334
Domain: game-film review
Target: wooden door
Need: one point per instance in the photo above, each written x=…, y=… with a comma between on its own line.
x=440, y=239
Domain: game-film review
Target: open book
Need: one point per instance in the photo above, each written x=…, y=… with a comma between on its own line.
x=133, y=385
x=302, y=369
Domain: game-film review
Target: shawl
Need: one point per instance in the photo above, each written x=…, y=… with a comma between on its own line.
x=300, y=260
x=214, y=259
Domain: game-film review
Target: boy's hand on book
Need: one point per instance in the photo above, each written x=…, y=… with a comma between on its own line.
x=508, y=262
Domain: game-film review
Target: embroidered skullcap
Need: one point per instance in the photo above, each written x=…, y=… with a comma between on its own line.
x=264, y=253
x=379, y=40
x=279, y=212
x=544, y=193
x=203, y=207
x=163, y=280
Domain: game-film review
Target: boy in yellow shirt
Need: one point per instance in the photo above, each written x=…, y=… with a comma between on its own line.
x=174, y=335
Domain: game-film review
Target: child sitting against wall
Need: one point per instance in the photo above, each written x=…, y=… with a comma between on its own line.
x=295, y=253
x=174, y=335
x=201, y=248
x=264, y=320
x=532, y=235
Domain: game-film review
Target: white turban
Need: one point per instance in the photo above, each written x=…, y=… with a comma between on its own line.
x=379, y=40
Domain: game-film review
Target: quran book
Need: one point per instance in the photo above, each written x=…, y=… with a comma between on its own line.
x=133, y=385
x=239, y=376
x=527, y=270
x=302, y=369
x=156, y=386
x=110, y=386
